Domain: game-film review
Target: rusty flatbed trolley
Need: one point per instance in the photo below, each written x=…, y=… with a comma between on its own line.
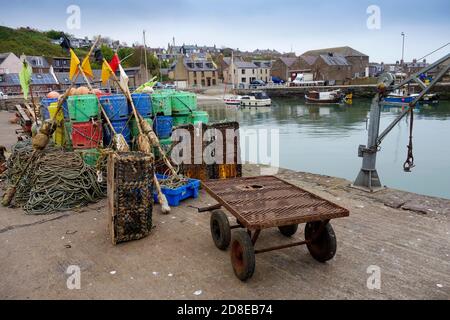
x=265, y=202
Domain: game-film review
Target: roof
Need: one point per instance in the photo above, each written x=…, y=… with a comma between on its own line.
x=245, y=65
x=263, y=63
x=3, y=56
x=63, y=77
x=199, y=65
x=37, y=62
x=12, y=79
x=309, y=59
x=343, y=51
x=288, y=61
x=335, y=60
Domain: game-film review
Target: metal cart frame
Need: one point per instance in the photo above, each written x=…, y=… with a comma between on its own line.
x=260, y=203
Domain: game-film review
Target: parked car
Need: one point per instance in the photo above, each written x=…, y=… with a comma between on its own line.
x=3, y=96
x=159, y=85
x=277, y=80
x=171, y=86
x=255, y=84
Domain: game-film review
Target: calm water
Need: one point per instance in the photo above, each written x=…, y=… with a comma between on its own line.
x=325, y=140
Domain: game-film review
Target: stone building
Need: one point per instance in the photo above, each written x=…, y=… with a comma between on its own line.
x=194, y=71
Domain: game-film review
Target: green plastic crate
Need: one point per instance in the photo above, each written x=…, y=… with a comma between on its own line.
x=161, y=104
x=183, y=103
x=90, y=156
x=83, y=108
x=134, y=128
x=199, y=117
x=181, y=120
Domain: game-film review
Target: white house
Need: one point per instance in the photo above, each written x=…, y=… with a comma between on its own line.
x=243, y=72
x=9, y=63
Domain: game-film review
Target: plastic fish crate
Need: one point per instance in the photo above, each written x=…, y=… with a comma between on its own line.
x=175, y=196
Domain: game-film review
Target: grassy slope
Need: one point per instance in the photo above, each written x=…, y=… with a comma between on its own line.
x=30, y=42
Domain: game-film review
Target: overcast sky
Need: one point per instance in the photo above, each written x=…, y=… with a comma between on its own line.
x=251, y=24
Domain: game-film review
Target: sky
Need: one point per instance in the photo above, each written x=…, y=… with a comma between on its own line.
x=252, y=24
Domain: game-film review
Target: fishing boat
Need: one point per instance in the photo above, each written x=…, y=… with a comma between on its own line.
x=399, y=98
x=256, y=99
x=324, y=97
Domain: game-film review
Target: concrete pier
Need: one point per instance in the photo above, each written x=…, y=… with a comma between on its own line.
x=405, y=235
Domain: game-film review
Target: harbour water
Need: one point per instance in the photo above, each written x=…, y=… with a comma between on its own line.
x=325, y=140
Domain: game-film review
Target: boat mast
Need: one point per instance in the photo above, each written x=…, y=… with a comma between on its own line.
x=145, y=57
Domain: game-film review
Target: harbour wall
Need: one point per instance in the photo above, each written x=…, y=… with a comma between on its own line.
x=359, y=91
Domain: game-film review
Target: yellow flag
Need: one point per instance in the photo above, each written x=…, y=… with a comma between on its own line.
x=106, y=72
x=74, y=63
x=86, y=66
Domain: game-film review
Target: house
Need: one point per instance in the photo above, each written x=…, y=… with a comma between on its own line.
x=41, y=84
x=264, y=68
x=415, y=66
x=376, y=69
x=60, y=64
x=194, y=71
x=359, y=62
x=333, y=68
x=9, y=63
x=38, y=64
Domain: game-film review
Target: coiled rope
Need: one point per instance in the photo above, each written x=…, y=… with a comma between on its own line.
x=56, y=180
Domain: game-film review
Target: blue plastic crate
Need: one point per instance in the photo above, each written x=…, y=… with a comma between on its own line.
x=175, y=196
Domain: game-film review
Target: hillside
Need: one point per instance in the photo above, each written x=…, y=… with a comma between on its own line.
x=29, y=42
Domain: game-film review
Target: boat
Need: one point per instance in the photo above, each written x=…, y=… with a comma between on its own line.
x=233, y=101
x=324, y=97
x=399, y=98
x=430, y=98
x=256, y=99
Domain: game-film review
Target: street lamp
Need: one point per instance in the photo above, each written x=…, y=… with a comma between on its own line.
x=403, y=48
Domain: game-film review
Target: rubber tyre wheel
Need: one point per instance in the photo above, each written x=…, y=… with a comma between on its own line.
x=242, y=255
x=220, y=229
x=288, y=231
x=324, y=246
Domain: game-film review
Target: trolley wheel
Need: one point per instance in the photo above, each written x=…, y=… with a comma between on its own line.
x=220, y=229
x=242, y=255
x=288, y=231
x=322, y=246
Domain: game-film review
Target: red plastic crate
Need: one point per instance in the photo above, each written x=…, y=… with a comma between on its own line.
x=87, y=135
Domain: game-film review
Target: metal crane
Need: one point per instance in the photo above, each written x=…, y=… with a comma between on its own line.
x=368, y=178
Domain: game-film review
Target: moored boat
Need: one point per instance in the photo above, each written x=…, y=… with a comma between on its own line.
x=256, y=99
x=233, y=101
x=324, y=97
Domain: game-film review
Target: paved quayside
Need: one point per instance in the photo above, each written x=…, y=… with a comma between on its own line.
x=406, y=235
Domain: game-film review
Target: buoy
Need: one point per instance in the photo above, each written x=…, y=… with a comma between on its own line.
x=82, y=91
x=53, y=95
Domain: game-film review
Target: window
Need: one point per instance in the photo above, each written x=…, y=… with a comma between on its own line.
x=195, y=82
x=243, y=71
x=243, y=80
x=203, y=73
x=213, y=73
x=195, y=73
